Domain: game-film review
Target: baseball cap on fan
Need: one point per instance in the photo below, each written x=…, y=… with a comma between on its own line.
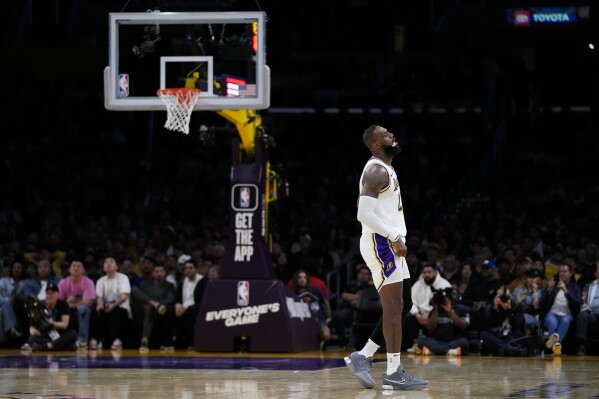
x=52, y=287
x=490, y=264
x=183, y=258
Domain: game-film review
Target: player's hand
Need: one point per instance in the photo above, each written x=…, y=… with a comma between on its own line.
x=399, y=248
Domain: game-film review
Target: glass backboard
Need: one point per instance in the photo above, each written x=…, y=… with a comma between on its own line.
x=221, y=53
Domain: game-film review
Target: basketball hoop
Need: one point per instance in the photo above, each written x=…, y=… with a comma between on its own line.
x=179, y=104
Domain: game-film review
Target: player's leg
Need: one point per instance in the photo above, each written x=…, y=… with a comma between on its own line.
x=360, y=363
x=392, y=293
x=392, y=300
x=377, y=338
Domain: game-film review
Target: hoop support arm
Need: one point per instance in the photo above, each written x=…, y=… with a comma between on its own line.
x=246, y=121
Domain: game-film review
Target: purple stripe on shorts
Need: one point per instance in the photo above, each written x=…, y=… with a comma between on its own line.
x=385, y=254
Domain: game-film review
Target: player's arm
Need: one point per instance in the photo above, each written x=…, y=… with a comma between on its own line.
x=375, y=179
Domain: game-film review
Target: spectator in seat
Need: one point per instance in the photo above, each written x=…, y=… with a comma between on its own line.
x=153, y=302
x=589, y=312
x=187, y=304
x=35, y=287
x=451, y=268
x=561, y=303
x=529, y=295
x=56, y=257
x=79, y=291
x=9, y=286
x=61, y=330
x=128, y=269
x=479, y=296
x=112, y=306
x=147, y=264
x=417, y=319
x=518, y=277
x=44, y=278
x=300, y=285
x=464, y=279
x=174, y=268
x=315, y=282
x=505, y=334
x=446, y=326
x=343, y=317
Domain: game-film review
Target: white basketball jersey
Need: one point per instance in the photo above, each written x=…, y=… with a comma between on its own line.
x=389, y=205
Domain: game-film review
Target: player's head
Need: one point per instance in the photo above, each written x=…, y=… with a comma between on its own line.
x=380, y=141
x=368, y=136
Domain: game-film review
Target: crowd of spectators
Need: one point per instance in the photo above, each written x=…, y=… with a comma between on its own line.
x=170, y=200
x=75, y=190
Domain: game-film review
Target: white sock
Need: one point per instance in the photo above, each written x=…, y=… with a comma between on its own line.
x=393, y=362
x=369, y=349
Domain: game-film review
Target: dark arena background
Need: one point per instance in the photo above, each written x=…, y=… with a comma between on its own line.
x=494, y=103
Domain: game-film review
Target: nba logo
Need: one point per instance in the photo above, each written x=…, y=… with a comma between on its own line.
x=243, y=293
x=244, y=197
x=123, y=85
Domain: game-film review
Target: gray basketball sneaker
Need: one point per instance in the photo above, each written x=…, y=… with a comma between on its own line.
x=361, y=365
x=402, y=381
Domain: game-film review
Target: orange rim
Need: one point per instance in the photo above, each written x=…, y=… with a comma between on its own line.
x=173, y=92
x=184, y=96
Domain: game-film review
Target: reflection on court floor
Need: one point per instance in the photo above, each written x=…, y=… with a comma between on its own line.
x=190, y=375
x=118, y=361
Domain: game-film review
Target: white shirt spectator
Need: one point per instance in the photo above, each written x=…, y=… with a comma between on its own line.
x=110, y=288
x=560, y=305
x=42, y=294
x=422, y=294
x=188, y=288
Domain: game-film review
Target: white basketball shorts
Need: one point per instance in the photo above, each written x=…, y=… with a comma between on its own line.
x=385, y=266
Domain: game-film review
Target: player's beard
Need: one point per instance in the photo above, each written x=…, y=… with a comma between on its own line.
x=392, y=149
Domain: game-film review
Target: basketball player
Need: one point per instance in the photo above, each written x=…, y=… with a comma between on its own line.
x=383, y=248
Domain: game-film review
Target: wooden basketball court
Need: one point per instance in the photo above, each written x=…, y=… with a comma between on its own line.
x=182, y=374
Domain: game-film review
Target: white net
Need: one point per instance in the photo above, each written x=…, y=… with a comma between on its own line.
x=179, y=104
